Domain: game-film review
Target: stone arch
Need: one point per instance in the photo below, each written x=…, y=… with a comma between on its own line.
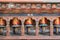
x=13, y=22
x=31, y=21
x=56, y=21
x=2, y=21
x=46, y=20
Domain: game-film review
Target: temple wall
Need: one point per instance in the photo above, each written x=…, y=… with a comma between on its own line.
x=50, y=13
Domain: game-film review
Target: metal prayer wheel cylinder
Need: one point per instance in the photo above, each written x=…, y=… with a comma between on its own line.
x=43, y=23
x=2, y=24
x=29, y=24
x=43, y=27
x=57, y=24
x=15, y=24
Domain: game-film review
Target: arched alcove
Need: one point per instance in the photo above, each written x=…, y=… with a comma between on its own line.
x=30, y=25
x=2, y=26
x=56, y=24
x=44, y=25
x=15, y=25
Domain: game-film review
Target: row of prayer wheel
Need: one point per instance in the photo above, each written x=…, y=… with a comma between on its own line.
x=29, y=23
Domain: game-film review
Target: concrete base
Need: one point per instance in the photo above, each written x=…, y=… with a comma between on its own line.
x=29, y=37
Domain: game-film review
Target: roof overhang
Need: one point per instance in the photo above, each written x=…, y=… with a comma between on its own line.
x=30, y=1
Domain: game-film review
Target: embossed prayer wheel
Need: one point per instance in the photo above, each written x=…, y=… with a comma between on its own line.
x=57, y=24
x=43, y=23
x=15, y=23
x=2, y=24
x=29, y=23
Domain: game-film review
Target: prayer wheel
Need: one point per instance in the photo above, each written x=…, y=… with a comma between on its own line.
x=15, y=23
x=29, y=23
x=2, y=24
x=57, y=24
x=43, y=23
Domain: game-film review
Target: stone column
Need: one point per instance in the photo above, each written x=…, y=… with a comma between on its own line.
x=37, y=28
x=51, y=28
x=22, y=28
x=8, y=28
